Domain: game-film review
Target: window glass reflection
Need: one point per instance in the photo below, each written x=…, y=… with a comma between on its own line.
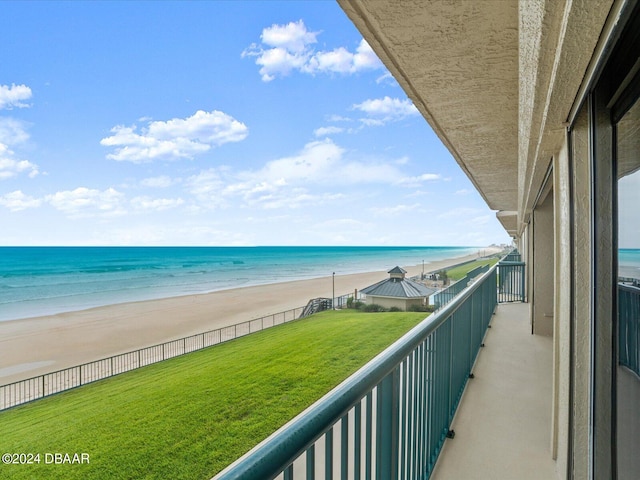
x=628, y=374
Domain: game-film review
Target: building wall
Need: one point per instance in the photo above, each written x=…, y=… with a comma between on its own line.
x=563, y=46
x=542, y=267
x=562, y=309
x=580, y=298
x=388, y=302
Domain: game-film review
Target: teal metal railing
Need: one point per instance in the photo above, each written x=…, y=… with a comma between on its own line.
x=389, y=420
x=629, y=327
x=477, y=271
x=511, y=278
x=444, y=296
x=514, y=256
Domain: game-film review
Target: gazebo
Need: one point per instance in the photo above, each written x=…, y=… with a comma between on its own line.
x=398, y=291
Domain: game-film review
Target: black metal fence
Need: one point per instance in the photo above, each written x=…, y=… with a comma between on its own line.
x=24, y=391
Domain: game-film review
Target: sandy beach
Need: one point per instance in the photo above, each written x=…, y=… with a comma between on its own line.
x=34, y=346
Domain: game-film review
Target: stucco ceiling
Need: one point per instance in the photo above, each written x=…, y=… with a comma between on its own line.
x=458, y=62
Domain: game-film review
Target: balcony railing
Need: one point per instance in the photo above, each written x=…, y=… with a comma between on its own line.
x=390, y=419
x=629, y=327
x=511, y=277
x=444, y=296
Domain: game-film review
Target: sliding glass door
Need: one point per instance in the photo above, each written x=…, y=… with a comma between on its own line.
x=627, y=152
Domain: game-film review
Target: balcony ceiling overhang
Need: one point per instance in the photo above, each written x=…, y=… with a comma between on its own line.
x=509, y=221
x=458, y=62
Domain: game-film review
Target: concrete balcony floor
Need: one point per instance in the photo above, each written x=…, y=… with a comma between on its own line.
x=503, y=423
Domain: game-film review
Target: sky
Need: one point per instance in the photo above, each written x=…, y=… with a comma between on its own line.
x=216, y=123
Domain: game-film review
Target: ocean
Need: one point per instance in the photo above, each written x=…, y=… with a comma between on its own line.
x=38, y=281
x=629, y=262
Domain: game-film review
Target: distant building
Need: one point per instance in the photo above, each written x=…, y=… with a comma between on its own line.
x=398, y=291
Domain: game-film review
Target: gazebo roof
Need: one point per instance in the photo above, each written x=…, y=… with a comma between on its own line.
x=397, y=270
x=398, y=287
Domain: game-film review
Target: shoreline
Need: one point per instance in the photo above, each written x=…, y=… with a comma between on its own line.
x=37, y=345
x=78, y=299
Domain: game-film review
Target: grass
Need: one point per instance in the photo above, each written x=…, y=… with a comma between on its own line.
x=191, y=416
x=457, y=273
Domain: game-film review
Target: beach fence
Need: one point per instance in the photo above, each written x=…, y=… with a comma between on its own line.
x=24, y=391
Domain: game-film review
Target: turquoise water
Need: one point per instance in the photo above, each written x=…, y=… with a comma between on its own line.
x=629, y=262
x=46, y=280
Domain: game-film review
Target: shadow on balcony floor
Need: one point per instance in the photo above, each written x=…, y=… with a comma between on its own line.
x=503, y=424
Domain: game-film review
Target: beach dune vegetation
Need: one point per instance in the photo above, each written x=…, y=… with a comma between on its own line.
x=189, y=417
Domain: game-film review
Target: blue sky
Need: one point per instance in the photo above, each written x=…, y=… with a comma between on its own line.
x=216, y=123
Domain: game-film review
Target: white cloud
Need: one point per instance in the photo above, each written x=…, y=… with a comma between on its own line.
x=481, y=220
x=345, y=223
x=208, y=186
x=340, y=60
x=13, y=96
x=459, y=212
x=287, y=48
x=83, y=202
x=387, y=78
x=296, y=198
x=155, y=204
x=312, y=164
x=162, y=181
x=365, y=57
x=293, y=37
x=174, y=139
x=11, y=167
x=339, y=118
x=418, y=193
x=395, y=210
x=290, y=181
x=12, y=131
x=324, y=131
x=384, y=110
x=323, y=162
x=16, y=201
x=418, y=180
x=463, y=191
x=378, y=112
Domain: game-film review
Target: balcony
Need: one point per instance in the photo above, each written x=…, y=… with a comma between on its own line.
x=503, y=423
x=392, y=418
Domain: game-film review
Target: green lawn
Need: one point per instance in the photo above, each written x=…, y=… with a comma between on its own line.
x=457, y=273
x=191, y=416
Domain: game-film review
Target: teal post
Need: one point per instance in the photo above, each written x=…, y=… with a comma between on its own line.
x=387, y=427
